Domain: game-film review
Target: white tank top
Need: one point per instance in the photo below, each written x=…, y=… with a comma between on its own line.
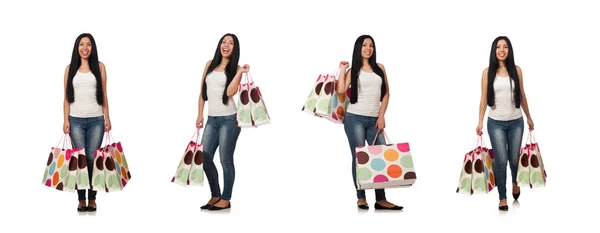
x=215, y=85
x=85, y=104
x=504, y=109
x=369, y=95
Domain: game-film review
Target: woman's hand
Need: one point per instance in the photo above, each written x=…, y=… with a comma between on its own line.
x=530, y=123
x=200, y=121
x=479, y=128
x=380, y=124
x=344, y=65
x=66, y=127
x=107, y=125
x=246, y=68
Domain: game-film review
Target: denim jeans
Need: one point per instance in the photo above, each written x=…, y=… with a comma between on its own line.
x=87, y=133
x=358, y=129
x=506, y=138
x=221, y=132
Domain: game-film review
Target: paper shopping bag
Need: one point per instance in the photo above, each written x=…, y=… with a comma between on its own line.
x=244, y=111
x=477, y=173
x=323, y=106
x=384, y=166
x=311, y=101
x=62, y=167
x=190, y=170
x=104, y=175
x=121, y=166
x=260, y=115
x=531, y=171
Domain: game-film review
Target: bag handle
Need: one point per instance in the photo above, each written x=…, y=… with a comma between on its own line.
x=387, y=140
x=65, y=137
x=197, y=134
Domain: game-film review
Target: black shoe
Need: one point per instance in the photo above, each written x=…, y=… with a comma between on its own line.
x=503, y=208
x=364, y=206
x=516, y=195
x=91, y=208
x=205, y=207
x=212, y=207
x=380, y=207
x=82, y=209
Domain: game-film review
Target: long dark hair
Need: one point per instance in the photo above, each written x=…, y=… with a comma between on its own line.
x=230, y=69
x=94, y=67
x=357, y=62
x=510, y=67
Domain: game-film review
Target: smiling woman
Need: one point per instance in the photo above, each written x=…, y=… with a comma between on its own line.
x=86, y=116
x=220, y=82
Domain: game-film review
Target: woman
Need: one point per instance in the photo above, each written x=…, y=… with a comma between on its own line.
x=86, y=114
x=220, y=82
x=504, y=96
x=364, y=118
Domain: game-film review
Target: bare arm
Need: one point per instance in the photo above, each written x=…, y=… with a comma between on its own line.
x=233, y=86
x=200, y=100
x=343, y=81
x=483, y=100
x=523, y=96
x=105, y=105
x=386, y=97
x=66, y=104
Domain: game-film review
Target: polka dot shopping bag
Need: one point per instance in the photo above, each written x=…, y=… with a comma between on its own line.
x=323, y=100
x=66, y=168
x=384, y=166
x=252, y=110
x=477, y=173
x=111, y=171
x=531, y=171
x=190, y=171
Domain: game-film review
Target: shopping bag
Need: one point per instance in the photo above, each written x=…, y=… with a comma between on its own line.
x=477, y=173
x=531, y=171
x=326, y=95
x=384, y=166
x=104, y=174
x=190, y=170
x=120, y=160
x=63, y=165
x=244, y=111
x=260, y=115
x=311, y=101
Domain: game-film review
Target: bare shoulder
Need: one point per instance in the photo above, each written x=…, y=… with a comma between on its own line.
x=485, y=71
x=101, y=64
x=67, y=68
x=381, y=66
x=518, y=69
x=208, y=63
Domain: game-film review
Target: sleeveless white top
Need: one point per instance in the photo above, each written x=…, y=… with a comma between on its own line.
x=215, y=85
x=85, y=104
x=504, y=108
x=369, y=95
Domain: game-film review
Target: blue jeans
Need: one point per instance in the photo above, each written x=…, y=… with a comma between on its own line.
x=221, y=132
x=506, y=138
x=87, y=133
x=358, y=129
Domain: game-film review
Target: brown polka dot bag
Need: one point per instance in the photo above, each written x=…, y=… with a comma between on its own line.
x=190, y=171
x=252, y=111
x=531, y=171
x=477, y=173
x=66, y=167
x=384, y=166
x=111, y=171
x=324, y=102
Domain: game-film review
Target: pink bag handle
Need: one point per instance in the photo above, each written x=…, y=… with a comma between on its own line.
x=64, y=139
x=387, y=140
x=197, y=134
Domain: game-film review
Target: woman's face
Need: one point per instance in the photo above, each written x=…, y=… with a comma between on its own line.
x=367, y=48
x=85, y=47
x=227, y=46
x=501, y=50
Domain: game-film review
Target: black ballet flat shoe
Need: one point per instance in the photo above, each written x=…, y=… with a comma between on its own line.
x=207, y=206
x=516, y=195
x=82, y=209
x=363, y=206
x=503, y=208
x=380, y=207
x=91, y=208
x=219, y=208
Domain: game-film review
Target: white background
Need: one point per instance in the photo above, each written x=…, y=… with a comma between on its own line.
x=294, y=174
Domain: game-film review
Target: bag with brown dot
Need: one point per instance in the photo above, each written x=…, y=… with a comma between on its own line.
x=477, y=173
x=190, y=171
x=66, y=167
x=531, y=171
x=110, y=172
x=324, y=101
x=252, y=110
